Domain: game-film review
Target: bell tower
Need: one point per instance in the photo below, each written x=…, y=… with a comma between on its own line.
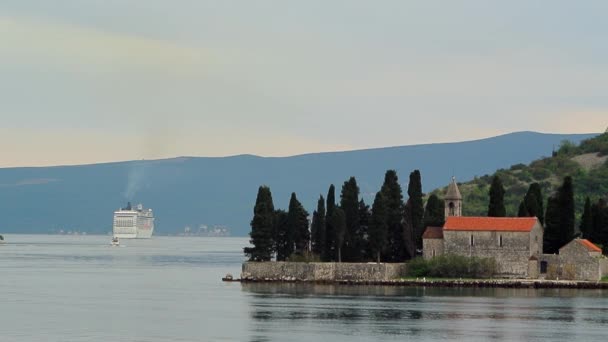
x=453, y=200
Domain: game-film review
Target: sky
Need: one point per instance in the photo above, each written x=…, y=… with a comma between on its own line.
x=88, y=81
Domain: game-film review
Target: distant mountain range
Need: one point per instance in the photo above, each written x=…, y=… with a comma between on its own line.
x=189, y=191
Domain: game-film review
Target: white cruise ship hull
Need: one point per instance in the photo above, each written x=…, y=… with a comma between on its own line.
x=133, y=223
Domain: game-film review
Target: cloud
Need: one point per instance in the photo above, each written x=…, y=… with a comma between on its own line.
x=39, y=42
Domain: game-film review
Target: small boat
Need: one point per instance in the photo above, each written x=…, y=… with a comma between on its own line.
x=115, y=241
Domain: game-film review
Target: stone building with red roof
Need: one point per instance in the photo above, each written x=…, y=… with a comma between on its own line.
x=516, y=243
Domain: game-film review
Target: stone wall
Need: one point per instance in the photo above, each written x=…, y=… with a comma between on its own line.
x=322, y=271
x=577, y=263
x=432, y=245
x=603, y=267
x=511, y=257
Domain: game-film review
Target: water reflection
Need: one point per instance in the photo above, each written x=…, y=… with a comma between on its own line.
x=431, y=313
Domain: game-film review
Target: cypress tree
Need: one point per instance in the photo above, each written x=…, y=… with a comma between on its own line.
x=566, y=207
x=378, y=228
x=434, y=212
x=282, y=247
x=586, y=225
x=391, y=191
x=414, y=191
x=364, y=223
x=596, y=220
x=262, y=227
x=318, y=228
x=496, y=208
x=559, y=220
x=349, y=202
x=329, y=252
x=600, y=223
x=551, y=234
x=408, y=230
x=338, y=222
x=535, y=193
x=297, y=220
x=522, y=211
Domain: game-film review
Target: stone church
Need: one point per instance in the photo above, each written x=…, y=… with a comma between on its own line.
x=516, y=243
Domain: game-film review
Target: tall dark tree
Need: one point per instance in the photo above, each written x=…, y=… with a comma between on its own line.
x=522, y=211
x=496, y=208
x=559, y=221
x=378, y=228
x=434, y=212
x=566, y=204
x=586, y=225
x=534, y=202
x=330, y=234
x=414, y=191
x=364, y=223
x=317, y=229
x=391, y=191
x=297, y=220
x=338, y=222
x=599, y=232
x=408, y=230
x=262, y=227
x=349, y=202
x=551, y=234
x=281, y=227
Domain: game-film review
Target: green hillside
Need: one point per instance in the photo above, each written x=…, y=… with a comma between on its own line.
x=587, y=163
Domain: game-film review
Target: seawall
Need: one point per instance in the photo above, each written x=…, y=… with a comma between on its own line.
x=321, y=271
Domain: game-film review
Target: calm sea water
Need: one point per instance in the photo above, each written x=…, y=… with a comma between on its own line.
x=79, y=288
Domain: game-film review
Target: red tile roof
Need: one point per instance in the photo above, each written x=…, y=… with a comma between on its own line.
x=505, y=224
x=589, y=245
x=433, y=233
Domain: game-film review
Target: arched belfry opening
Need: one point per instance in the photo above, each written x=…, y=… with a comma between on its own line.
x=453, y=200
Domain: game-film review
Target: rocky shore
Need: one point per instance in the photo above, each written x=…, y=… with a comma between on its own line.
x=479, y=283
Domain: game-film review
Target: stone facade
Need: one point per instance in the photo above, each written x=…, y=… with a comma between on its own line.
x=432, y=248
x=432, y=242
x=511, y=250
x=575, y=261
x=322, y=271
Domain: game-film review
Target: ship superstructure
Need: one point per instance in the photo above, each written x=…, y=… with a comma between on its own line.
x=133, y=223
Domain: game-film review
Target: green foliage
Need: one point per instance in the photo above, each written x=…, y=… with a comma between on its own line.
x=414, y=191
x=305, y=257
x=391, y=191
x=338, y=222
x=434, y=212
x=559, y=225
x=353, y=239
x=297, y=221
x=329, y=252
x=262, y=227
x=317, y=228
x=378, y=228
x=496, y=207
x=586, y=225
x=282, y=244
x=364, y=224
x=548, y=173
x=409, y=231
x=452, y=266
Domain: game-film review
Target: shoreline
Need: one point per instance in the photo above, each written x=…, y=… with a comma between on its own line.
x=475, y=283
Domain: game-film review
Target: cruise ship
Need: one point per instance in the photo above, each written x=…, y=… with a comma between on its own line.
x=133, y=223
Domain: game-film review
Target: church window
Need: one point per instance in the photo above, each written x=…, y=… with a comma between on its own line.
x=472, y=241
x=433, y=253
x=452, y=210
x=500, y=241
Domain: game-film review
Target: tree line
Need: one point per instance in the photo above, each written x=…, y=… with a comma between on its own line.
x=391, y=230
x=559, y=217
x=347, y=230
